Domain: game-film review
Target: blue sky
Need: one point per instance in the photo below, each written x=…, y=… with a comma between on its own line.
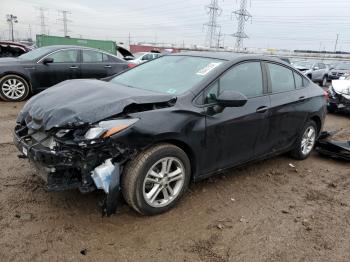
x=290, y=24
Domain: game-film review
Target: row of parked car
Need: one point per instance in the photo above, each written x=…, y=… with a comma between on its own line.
x=321, y=72
x=43, y=67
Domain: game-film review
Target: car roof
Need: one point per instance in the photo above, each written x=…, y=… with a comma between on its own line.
x=230, y=56
x=57, y=47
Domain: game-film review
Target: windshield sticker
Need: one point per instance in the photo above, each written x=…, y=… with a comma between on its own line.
x=207, y=69
x=171, y=91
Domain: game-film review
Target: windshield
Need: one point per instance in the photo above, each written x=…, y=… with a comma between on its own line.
x=168, y=74
x=305, y=64
x=37, y=53
x=343, y=66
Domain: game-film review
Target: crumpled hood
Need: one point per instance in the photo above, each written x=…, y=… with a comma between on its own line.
x=86, y=101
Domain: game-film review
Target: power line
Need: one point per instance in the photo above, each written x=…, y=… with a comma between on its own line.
x=214, y=11
x=242, y=16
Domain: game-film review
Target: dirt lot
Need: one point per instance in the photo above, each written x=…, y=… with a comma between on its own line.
x=268, y=211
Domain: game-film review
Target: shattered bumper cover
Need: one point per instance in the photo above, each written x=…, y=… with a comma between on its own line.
x=73, y=166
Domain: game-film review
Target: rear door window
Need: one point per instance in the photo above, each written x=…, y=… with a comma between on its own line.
x=298, y=81
x=90, y=56
x=282, y=79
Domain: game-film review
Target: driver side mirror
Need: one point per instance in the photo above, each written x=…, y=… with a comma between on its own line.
x=229, y=98
x=47, y=60
x=316, y=68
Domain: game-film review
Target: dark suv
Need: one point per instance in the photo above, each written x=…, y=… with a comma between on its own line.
x=339, y=70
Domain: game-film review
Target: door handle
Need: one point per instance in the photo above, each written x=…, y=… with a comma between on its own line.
x=302, y=98
x=108, y=66
x=262, y=109
x=73, y=67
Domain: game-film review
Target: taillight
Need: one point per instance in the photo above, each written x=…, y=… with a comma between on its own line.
x=130, y=65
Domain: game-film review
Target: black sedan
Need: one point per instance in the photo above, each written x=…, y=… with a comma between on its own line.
x=46, y=66
x=150, y=130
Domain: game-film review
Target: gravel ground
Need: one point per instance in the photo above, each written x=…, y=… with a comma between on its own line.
x=267, y=211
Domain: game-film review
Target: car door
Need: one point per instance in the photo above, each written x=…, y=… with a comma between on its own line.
x=65, y=65
x=231, y=135
x=93, y=65
x=284, y=118
x=114, y=65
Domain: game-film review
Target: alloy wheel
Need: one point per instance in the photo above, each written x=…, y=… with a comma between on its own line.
x=163, y=182
x=13, y=89
x=308, y=140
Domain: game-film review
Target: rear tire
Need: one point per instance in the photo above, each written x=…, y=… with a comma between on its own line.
x=151, y=188
x=13, y=88
x=324, y=81
x=305, y=141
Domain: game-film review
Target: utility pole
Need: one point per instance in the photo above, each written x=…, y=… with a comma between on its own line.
x=213, y=10
x=29, y=32
x=219, y=39
x=242, y=16
x=65, y=21
x=11, y=19
x=336, y=43
x=129, y=40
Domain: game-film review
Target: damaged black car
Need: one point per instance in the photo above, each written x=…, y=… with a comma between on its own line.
x=146, y=133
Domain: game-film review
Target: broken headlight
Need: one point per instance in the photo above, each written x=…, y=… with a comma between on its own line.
x=108, y=128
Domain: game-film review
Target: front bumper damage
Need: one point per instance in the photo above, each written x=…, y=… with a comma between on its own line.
x=338, y=101
x=74, y=163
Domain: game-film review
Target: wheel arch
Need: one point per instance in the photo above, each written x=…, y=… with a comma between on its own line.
x=318, y=122
x=187, y=149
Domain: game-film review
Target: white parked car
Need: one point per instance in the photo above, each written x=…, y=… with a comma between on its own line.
x=339, y=95
x=142, y=57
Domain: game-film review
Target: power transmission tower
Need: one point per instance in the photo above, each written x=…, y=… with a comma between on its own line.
x=42, y=17
x=242, y=16
x=214, y=11
x=11, y=19
x=65, y=21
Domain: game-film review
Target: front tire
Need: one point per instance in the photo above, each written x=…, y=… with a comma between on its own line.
x=13, y=88
x=305, y=141
x=156, y=179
